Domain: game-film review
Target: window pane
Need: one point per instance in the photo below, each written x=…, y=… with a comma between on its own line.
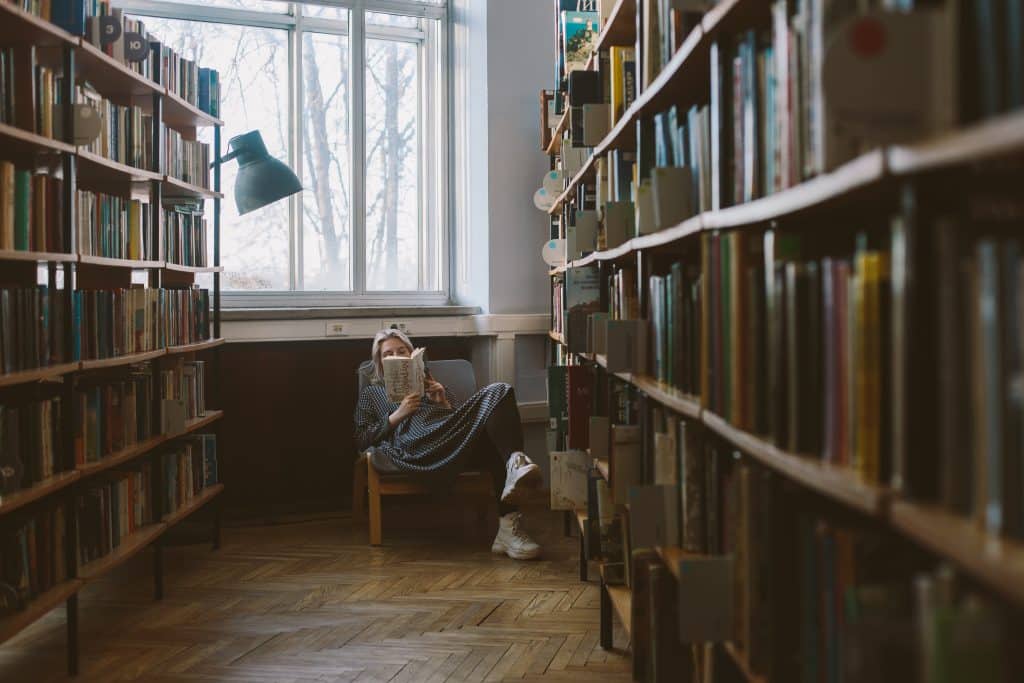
x=382, y=19
x=325, y=12
x=394, y=243
x=255, y=5
x=326, y=151
x=253, y=66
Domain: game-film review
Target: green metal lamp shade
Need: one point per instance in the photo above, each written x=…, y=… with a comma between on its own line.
x=261, y=178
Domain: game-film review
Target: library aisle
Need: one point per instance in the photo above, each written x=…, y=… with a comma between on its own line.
x=309, y=601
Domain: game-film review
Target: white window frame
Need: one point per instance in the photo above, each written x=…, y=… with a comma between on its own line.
x=434, y=160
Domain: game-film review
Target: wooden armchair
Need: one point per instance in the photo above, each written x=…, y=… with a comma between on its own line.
x=375, y=475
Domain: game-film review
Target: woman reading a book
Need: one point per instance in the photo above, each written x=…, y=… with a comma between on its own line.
x=437, y=435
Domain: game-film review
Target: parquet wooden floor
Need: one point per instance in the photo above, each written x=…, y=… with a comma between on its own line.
x=311, y=601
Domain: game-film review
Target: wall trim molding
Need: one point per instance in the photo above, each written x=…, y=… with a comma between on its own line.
x=320, y=329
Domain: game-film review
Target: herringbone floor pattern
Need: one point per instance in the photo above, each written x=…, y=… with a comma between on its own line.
x=310, y=601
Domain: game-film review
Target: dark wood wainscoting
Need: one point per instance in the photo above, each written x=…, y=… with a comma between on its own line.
x=286, y=441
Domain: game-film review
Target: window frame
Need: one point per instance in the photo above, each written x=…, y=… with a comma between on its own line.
x=434, y=119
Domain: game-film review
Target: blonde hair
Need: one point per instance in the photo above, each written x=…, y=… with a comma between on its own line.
x=378, y=340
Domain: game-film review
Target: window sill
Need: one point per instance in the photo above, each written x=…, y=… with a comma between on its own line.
x=325, y=313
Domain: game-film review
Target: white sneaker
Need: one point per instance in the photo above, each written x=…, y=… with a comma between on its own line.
x=520, y=472
x=512, y=540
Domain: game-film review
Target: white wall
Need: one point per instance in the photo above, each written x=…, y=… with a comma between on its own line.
x=506, y=66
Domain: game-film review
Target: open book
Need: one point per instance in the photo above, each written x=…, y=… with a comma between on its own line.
x=403, y=376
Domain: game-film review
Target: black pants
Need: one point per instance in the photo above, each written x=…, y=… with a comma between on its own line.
x=503, y=436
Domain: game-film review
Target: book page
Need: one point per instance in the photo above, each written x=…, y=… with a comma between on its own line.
x=404, y=376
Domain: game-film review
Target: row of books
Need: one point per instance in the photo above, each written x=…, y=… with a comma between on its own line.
x=109, y=512
x=33, y=556
x=31, y=444
x=114, y=227
x=188, y=468
x=675, y=313
x=114, y=34
x=186, y=382
x=125, y=131
x=31, y=209
x=33, y=325
x=185, y=235
x=28, y=92
x=112, y=415
x=187, y=160
x=111, y=323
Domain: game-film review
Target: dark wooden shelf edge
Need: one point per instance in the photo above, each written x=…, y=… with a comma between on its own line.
x=99, y=364
x=112, y=262
x=129, y=547
x=622, y=605
x=198, y=501
x=22, y=497
x=38, y=374
x=49, y=256
x=26, y=137
x=837, y=483
x=198, y=423
x=995, y=561
x=198, y=346
x=620, y=29
x=121, y=457
x=14, y=624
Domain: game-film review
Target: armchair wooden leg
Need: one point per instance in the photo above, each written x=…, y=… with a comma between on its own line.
x=359, y=484
x=375, y=512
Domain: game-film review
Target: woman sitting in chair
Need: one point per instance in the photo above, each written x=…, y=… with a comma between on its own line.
x=437, y=436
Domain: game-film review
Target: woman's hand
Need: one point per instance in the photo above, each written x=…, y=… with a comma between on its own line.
x=409, y=405
x=436, y=393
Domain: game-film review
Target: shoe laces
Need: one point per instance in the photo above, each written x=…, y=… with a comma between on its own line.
x=516, y=519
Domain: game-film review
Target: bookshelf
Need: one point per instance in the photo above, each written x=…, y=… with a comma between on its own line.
x=768, y=415
x=134, y=459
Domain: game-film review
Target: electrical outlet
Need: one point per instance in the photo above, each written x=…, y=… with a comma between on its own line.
x=395, y=325
x=334, y=329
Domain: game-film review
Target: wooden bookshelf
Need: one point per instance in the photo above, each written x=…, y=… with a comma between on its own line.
x=110, y=262
x=556, y=135
x=174, y=187
x=95, y=166
x=622, y=604
x=989, y=139
x=995, y=561
x=120, y=457
x=195, y=348
x=13, y=624
x=620, y=28
x=179, y=113
x=51, y=372
x=117, y=361
x=200, y=500
x=12, y=501
x=18, y=26
x=198, y=423
x=176, y=268
x=838, y=483
x=29, y=143
x=120, y=84
x=128, y=548
x=667, y=396
x=40, y=256
x=112, y=78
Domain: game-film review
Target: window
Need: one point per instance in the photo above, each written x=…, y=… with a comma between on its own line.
x=352, y=95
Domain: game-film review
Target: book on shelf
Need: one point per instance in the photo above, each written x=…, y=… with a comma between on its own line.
x=579, y=385
x=29, y=87
x=110, y=510
x=558, y=403
x=185, y=234
x=569, y=479
x=125, y=131
x=31, y=444
x=31, y=208
x=579, y=36
x=32, y=555
x=114, y=227
x=189, y=467
x=32, y=328
x=186, y=160
x=582, y=297
x=405, y=375
x=110, y=416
